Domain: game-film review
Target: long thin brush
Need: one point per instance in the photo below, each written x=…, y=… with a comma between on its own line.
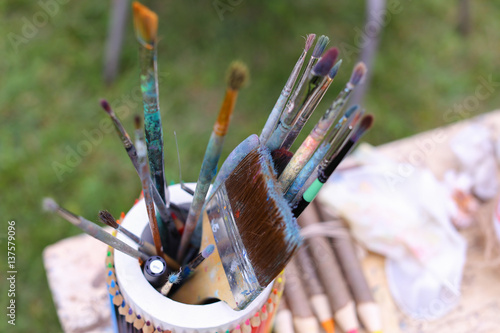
x=238, y=74
x=332, y=136
x=307, y=112
x=307, y=148
x=92, y=229
x=325, y=173
x=146, y=29
x=146, y=187
x=285, y=93
x=132, y=154
x=146, y=247
x=314, y=81
x=189, y=269
x=253, y=231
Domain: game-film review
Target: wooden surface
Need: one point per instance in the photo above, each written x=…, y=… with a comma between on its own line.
x=75, y=266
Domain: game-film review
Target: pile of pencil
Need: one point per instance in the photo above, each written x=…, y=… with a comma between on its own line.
x=325, y=282
x=265, y=185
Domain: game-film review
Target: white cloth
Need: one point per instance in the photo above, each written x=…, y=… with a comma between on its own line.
x=406, y=219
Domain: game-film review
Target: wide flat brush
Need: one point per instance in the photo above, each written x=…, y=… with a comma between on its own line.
x=238, y=75
x=285, y=93
x=92, y=229
x=254, y=233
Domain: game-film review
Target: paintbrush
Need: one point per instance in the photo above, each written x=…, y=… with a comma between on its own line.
x=146, y=187
x=173, y=279
x=285, y=93
x=317, y=297
x=303, y=317
x=170, y=237
x=308, y=111
x=146, y=29
x=254, y=233
x=92, y=229
x=324, y=172
x=238, y=74
x=281, y=157
x=314, y=82
x=144, y=246
x=330, y=275
x=132, y=154
x=330, y=142
x=309, y=145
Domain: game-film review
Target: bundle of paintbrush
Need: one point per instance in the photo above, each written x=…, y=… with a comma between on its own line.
x=231, y=241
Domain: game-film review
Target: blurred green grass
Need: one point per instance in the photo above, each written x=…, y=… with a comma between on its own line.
x=51, y=86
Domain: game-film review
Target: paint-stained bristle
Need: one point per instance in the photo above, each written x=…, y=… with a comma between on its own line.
x=281, y=157
x=358, y=74
x=335, y=69
x=173, y=278
x=108, y=219
x=326, y=62
x=49, y=205
x=320, y=46
x=265, y=222
x=208, y=251
x=366, y=123
x=137, y=122
x=105, y=105
x=237, y=76
x=309, y=41
x=145, y=23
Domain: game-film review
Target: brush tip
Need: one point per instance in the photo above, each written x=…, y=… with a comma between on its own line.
x=108, y=219
x=145, y=23
x=309, y=41
x=320, y=46
x=105, y=105
x=49, y=205
x=208, y=251
x=326, y=62
x=365, y=124
x=174, y=277
x=335, y=69
x=137, y=122
x=237, y=76
x=358, y=74
x=351, y=110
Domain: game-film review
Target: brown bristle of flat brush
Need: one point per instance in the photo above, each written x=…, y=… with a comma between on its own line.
x=281, y=157
x=264, y=219
x=108, y=219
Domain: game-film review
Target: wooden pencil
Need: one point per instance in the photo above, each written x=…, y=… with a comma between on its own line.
x=330, y=275
x=368, y=309
x=303, y=317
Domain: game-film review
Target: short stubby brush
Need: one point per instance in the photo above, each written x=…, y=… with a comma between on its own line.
x=254, y=233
